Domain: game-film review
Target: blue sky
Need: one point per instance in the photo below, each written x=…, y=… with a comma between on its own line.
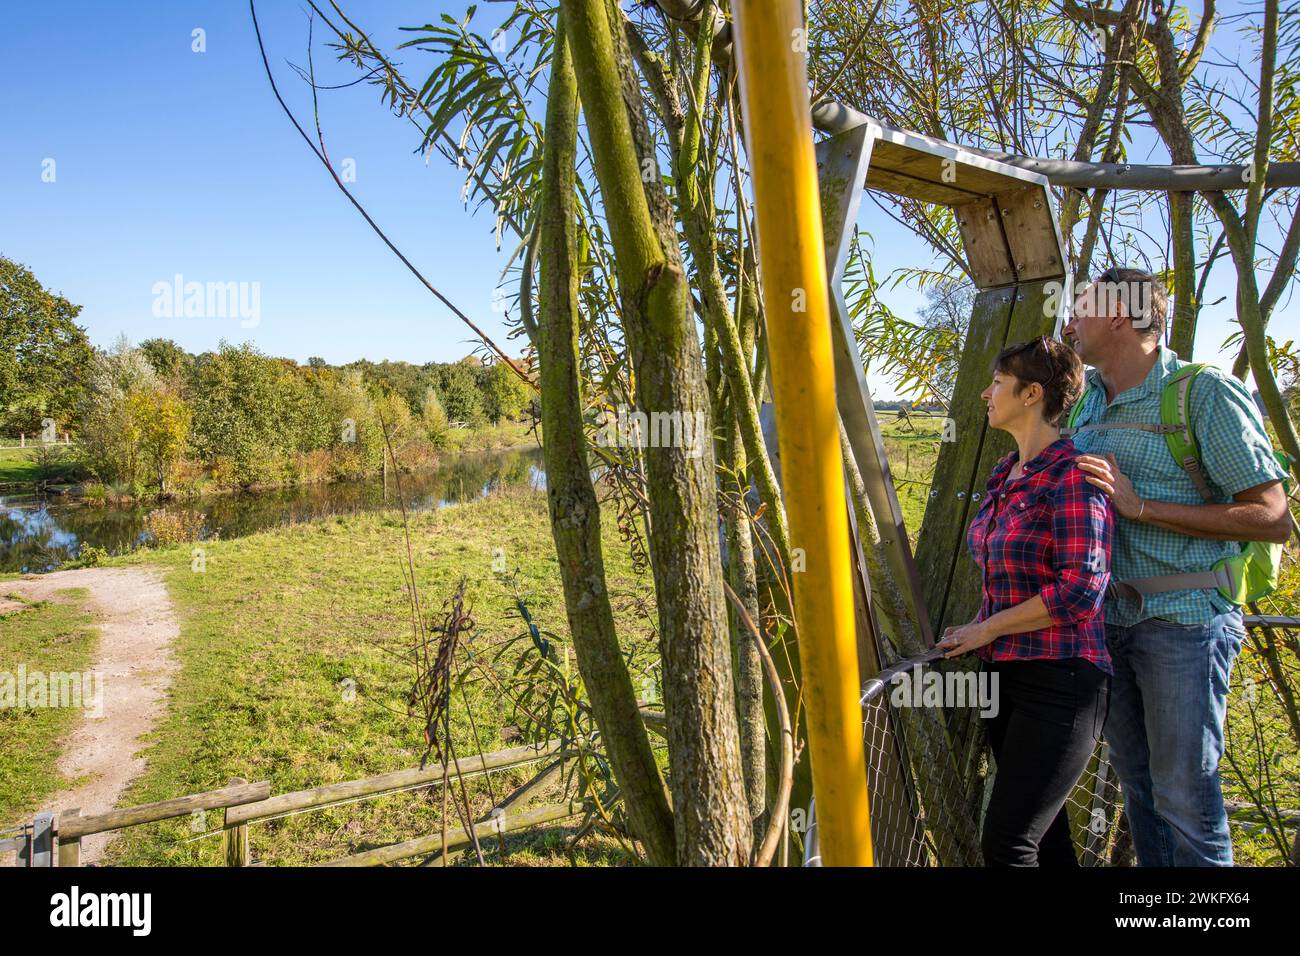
x=168, y=161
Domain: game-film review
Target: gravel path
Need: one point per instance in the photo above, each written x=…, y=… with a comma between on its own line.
x=137, y=625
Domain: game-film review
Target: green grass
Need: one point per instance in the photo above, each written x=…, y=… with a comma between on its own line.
x=23, y=465
x=17, y=465
x=276, y=624
x=46, y=636
x=912, y=447
x=489, y=437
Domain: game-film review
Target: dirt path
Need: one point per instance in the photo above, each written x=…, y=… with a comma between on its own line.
x=136, y=626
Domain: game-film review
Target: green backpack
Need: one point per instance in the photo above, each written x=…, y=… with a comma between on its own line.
x=1240, y=578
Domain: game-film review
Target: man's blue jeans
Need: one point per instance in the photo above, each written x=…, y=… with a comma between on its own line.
x=1168, y=700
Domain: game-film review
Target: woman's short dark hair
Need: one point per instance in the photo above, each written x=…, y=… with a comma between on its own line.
x=1051, y=364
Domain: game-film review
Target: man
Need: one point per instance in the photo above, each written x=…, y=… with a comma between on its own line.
x=1173, y=651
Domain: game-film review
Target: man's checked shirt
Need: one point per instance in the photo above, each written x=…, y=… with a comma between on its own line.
x=1047, y=533
x=1236, y=454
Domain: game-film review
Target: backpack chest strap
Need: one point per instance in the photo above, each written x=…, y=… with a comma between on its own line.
x=1189, y=462
x=1136, y=589
x=1155, y=429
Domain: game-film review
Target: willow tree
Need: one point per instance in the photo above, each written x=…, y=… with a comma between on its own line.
x=712, y=824
x=574, y=510
x=619, y=325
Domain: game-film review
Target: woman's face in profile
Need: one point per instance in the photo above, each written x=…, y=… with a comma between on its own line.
x=1003, y=402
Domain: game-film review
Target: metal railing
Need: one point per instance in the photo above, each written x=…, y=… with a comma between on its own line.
x=929, y=774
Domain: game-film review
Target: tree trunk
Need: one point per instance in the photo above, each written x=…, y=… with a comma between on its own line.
x=575, y=514
x=743, y=578
x=709, y=806
x=1186, y=308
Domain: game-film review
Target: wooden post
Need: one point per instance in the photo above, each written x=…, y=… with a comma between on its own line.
x=69, y=849
x=235, y=838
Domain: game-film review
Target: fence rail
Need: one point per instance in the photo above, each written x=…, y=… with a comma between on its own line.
x=34, y=441
x=459, y=836
x=75, y=827
x=55, y=839
x=386, y=783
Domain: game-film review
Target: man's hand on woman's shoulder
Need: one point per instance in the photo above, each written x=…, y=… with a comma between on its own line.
x=1103, y=472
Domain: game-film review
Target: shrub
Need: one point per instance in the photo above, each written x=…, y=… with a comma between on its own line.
x=89, y=556
x=434, y=419
x=95, y=491
x=166, y=527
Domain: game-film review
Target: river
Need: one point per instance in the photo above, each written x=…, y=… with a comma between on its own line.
x=38, y=534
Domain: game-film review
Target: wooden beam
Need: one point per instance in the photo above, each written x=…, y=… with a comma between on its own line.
x=234, y=836
x=1027, y=320
x=69, y=846
x=80, y=826
x=941, y=548
x=459, y=836
x=986, y=248
x=397, y=780
x=1030, y=233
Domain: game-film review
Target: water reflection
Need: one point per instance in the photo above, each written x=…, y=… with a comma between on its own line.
x=38, y=534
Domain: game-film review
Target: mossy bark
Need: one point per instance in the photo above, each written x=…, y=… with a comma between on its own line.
x=712, y=822
x=571, y=498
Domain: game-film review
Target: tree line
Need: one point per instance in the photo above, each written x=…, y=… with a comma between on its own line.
x=155, y=419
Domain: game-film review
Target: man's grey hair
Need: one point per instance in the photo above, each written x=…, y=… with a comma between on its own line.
x=1144, y=297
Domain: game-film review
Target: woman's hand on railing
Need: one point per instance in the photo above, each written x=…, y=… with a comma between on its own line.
x=966, y=637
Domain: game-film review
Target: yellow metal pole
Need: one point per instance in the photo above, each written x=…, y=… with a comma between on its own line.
x=770, y=44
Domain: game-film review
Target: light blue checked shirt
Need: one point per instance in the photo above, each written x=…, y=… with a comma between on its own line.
x=1235, y=454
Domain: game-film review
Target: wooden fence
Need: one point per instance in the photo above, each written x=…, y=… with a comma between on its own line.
x=55, y=839
x=33, y=441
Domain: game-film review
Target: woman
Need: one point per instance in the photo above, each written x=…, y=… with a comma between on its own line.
x=1042, y=540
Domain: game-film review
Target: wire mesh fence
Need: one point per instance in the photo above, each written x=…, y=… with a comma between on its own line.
x=929, y=773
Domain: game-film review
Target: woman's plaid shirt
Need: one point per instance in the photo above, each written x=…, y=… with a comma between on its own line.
x=1047, y=533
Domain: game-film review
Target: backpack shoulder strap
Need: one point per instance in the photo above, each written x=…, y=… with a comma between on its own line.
x=1175, y=414
x=1076, y=412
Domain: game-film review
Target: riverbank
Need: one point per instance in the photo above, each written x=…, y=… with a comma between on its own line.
x=21, y=470
x=43, y=533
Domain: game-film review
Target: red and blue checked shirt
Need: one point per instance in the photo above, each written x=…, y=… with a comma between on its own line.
x=1046, y=533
